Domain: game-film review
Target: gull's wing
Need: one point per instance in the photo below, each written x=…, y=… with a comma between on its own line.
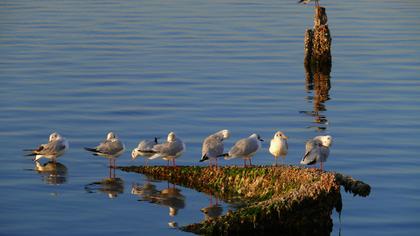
x=243, y=147
x=168, y=149
x=212, y=147
x=311, y=153
x=52, y=148
x=110, y=147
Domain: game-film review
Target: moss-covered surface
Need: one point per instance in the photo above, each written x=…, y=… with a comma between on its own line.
x=281, y=200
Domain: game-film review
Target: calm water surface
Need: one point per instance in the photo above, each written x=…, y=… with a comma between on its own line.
x=143, y=68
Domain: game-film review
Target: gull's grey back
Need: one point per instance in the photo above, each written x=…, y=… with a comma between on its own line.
x=146, y=145
x=169, y=148
x=110, y=147
x=244, y=147
x=212, y=146
x=311, y=152
x=53, y=147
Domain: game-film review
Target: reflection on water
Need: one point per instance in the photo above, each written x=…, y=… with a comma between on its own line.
x=145, y=192
x=112, y=186
x=318, y=83
x=53, y=173
x=213, y=210
x=170, y=197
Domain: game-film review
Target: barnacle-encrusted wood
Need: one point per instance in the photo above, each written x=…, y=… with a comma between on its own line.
x=318, y=42
x=286, y=200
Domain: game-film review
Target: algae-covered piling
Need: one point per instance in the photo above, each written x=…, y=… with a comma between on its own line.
x=285, y=200
x=318, y=42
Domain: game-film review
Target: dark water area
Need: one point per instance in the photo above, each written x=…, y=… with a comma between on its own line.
x=144, y=68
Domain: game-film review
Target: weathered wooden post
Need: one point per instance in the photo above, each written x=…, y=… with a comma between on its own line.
x=318, y=43
x=318, y=64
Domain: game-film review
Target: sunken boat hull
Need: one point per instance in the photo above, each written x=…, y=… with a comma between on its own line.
x=283, y=200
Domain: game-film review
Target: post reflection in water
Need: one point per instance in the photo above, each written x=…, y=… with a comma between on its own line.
x=213, y=210
x=318, y=83
x=170, y=197
x=53, y=173
x=112, y=186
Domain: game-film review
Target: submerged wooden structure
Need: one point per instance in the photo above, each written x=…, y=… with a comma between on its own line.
x=283, y=200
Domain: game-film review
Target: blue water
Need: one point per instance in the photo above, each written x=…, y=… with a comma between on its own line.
x=144, y=68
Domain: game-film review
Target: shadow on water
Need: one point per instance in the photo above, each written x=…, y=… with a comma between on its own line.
x=317, y=82
x=53, y=173
x=170, y=197
x=112, y=186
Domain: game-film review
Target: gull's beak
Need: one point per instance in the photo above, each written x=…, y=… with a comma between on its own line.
x=285, y=137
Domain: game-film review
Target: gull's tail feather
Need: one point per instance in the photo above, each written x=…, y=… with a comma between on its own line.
x=306, y=161
x=226, y=156
x=223, y=155
x=204, y=158
x=90, y=149
x=40, y=148
x=146, y=151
